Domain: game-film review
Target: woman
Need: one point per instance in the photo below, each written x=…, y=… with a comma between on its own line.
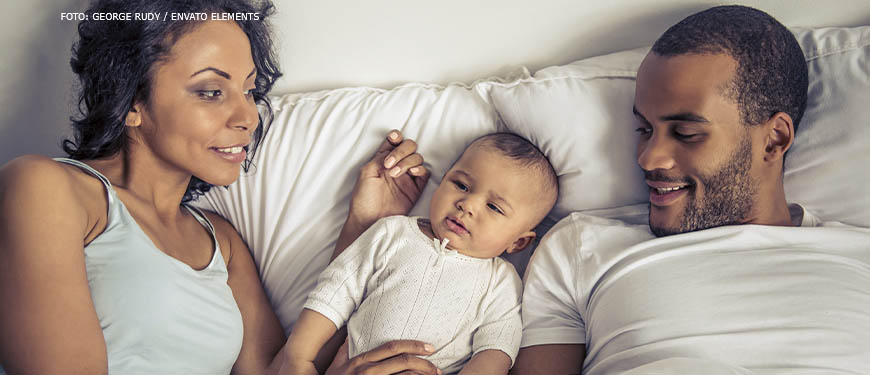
x=103, y=266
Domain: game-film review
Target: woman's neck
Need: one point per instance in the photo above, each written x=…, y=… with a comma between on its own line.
x=147, y=179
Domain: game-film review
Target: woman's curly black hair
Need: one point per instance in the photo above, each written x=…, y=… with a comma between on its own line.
x=115, y=62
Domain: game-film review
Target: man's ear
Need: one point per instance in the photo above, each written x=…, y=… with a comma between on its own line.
x=779, y=136
x=521, y=242
x=134, y=116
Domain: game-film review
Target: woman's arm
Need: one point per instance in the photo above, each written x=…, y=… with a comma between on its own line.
x=48, y=325
x=263, y=335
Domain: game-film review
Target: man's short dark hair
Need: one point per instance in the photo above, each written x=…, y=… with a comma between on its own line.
x=771, y=72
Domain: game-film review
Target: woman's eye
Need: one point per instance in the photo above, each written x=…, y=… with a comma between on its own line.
x=460, y=186
x=643, y=130
x=249, y=93
x=494, y=208
x=209, y=94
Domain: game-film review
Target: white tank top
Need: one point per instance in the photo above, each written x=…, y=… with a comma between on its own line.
x=159, y=315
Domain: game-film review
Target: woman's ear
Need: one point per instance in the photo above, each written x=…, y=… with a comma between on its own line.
x=521, y=242
x=779, y=136
x=134, y=116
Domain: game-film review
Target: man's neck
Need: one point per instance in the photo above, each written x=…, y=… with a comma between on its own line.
x=771, y=208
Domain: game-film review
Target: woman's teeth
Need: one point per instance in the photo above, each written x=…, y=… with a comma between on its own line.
x=231, y=150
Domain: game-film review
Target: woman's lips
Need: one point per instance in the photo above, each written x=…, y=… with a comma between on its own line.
x=231, y=154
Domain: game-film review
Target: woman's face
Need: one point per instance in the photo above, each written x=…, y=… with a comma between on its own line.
x=201, y=112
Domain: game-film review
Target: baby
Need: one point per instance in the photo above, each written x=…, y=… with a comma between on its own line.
x=440, y=280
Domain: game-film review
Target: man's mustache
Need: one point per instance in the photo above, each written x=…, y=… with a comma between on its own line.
x=661, y=176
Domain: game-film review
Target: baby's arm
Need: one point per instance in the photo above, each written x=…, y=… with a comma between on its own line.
x=310, y=332
x=492, y=361
x=496, y=341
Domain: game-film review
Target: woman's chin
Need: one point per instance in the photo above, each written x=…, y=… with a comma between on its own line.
x=221, y=179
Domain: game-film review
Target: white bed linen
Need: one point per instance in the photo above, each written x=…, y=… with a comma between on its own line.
x=291, y=207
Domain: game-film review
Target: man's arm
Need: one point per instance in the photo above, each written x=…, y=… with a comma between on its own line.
x=550, y=359
x=553, y=327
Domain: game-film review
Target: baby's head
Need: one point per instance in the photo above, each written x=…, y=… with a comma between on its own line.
x=493, y=196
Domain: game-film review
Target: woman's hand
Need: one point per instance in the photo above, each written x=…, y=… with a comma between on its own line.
x=394, y=357
x=389, y=184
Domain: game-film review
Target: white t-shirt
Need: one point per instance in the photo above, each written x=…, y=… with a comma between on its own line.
x=765, y=299
x=394, y=282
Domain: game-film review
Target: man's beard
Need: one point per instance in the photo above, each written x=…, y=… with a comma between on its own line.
x=729, y=195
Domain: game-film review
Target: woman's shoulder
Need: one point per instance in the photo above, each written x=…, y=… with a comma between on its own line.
x=37, y=173
x=228, y=237
x=31, y=179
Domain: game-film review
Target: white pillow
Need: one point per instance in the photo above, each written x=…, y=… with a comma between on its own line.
x=291, y=207
x=828, y=168
x=580, y=114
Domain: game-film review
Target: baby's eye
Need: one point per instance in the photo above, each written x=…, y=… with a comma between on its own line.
x=209, y=94
x=460, y=186
x=494, y=208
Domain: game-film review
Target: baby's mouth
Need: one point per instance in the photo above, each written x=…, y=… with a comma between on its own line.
x=455, y=225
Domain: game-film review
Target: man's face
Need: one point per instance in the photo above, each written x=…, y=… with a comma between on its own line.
x=695, y=153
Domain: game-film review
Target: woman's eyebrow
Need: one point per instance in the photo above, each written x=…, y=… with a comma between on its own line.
x=216, y=71
x=223, y=73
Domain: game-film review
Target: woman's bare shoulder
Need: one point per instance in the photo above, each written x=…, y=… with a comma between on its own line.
x=36, y=180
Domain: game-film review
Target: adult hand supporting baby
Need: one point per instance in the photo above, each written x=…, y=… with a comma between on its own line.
x=389, y=184
x=394, y=357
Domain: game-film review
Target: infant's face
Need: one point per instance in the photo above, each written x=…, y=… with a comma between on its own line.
x=484, y=203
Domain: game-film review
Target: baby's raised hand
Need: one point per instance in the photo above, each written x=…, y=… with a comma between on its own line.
x=390, y=183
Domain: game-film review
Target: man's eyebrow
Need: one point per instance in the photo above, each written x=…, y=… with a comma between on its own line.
x=223, y=73
x=683, y=116
x=637, y=113
x=686, y=117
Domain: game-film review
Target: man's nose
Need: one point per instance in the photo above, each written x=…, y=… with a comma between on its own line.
x=657, y=152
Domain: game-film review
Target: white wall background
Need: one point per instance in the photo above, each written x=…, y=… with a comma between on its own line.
x=334, y=43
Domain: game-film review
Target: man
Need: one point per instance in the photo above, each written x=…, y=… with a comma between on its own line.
x=738, y=280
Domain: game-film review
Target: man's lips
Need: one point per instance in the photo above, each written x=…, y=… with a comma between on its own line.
x=662, y=193
x=455, y=225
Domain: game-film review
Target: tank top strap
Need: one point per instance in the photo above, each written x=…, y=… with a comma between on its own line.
x=110, y=191
x=204, y=221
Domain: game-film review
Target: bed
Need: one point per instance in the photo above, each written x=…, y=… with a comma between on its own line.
x=290, y=206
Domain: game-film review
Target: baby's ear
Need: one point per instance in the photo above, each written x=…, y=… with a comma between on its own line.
x=521, y=242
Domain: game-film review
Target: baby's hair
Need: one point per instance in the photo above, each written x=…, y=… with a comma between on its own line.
x=527, y=154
